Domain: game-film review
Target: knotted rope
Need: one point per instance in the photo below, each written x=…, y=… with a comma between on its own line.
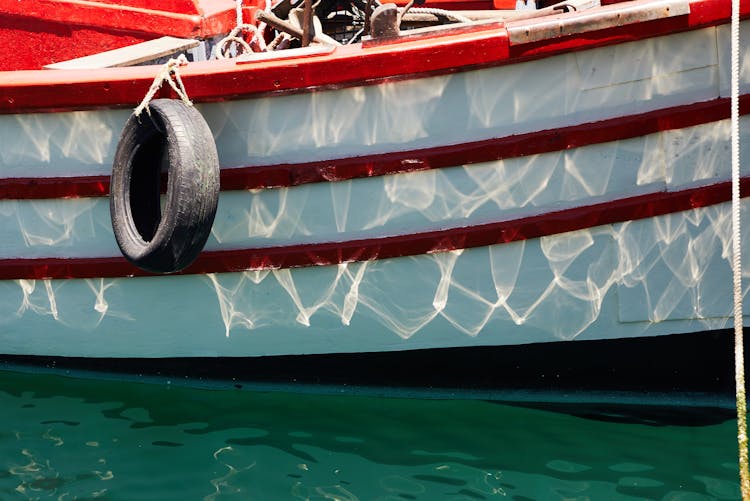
x=169, y=73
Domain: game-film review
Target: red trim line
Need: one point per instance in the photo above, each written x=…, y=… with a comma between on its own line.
x=331, y=253
x=31, y=188
x=532, y=143
x=49, y=91
x=157, y=20
x=284, y=175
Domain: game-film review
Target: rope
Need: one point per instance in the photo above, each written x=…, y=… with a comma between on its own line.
x=238, y=11
x=222, y=48
x=739, y=356
x=170, y=68
x=280, y=42
x=233, y=37
x=441, y=12
x=258, y=38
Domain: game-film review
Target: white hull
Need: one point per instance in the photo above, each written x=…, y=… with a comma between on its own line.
x=657, y=275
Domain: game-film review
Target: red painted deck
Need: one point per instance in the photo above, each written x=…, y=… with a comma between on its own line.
x=38, y=32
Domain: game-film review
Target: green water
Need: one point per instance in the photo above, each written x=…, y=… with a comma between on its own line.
x=65, y=438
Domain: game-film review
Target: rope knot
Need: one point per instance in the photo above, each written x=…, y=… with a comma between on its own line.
x=169, y=73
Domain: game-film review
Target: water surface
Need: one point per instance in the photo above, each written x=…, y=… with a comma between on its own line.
x=67, y=438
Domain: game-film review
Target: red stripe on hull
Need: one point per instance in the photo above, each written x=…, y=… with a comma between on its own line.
x=331, y=253
x=286, y=175
x=44, y=91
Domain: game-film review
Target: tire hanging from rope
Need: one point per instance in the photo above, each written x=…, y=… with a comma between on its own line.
x=171, y=140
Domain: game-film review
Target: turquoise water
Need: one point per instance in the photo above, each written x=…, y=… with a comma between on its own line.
x=66, y=438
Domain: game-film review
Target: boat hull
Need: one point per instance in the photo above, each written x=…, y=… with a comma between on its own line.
x=660, y=275
x=584, y=195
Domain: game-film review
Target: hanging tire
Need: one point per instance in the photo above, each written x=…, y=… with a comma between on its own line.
x=174, y=139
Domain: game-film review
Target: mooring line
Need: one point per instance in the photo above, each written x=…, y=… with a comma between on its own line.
x=739, y=356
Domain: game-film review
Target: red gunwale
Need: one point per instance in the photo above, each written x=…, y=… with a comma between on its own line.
x=331, y=253
x=287, y=175
x=203, y=18
x=51, y=91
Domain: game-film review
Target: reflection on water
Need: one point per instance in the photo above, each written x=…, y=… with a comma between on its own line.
x=64, y=438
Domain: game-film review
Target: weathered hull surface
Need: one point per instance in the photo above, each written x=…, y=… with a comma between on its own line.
x=579, y=195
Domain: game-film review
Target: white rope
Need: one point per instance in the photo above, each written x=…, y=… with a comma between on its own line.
x=238, y=10
x=356, y=36
x=739, y=356
x=441, y=12
x=167, y=71
x=258, y=38
x=222, y=48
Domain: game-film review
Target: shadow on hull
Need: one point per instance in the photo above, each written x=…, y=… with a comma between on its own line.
x=685, y=379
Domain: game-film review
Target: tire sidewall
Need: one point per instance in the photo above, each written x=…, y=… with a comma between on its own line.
x=192, y=189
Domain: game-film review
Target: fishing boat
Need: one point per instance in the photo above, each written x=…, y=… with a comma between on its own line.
x=358, y=177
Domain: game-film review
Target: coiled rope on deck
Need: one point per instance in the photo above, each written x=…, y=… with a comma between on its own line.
x=739, y=356
x=234, y=40
x=234, y=37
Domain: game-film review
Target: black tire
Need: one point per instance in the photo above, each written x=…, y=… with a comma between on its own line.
x=176, y=137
